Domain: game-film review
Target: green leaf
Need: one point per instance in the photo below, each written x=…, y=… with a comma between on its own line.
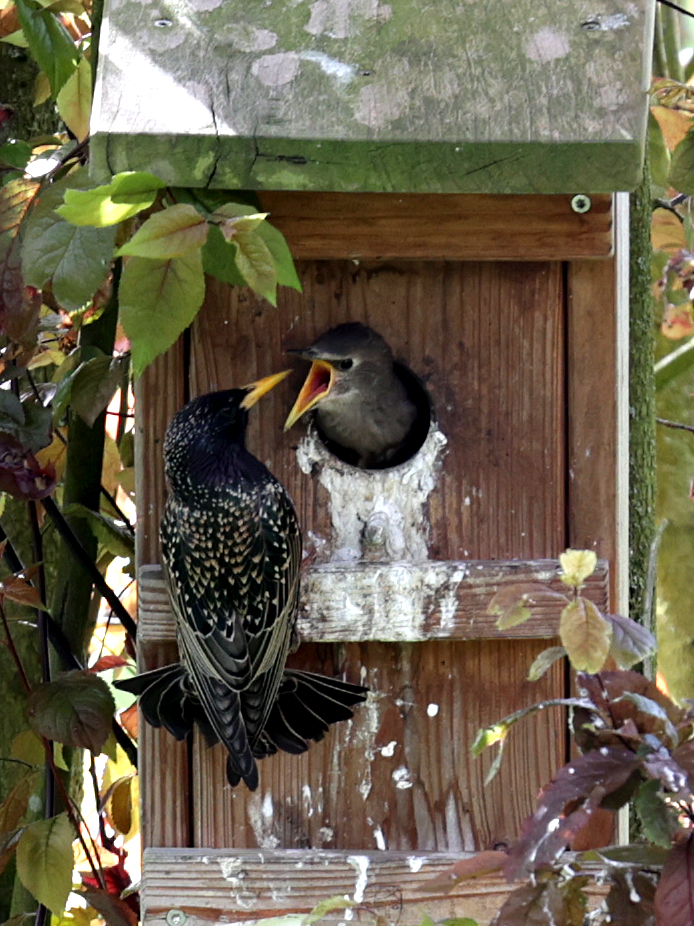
x=49, y=42
x=682, y=165
x=339, y=902
x=219, y=258
x=126, y=195
x=545, y=660
x=75, y=709
x=29, y=423
x=75, y=100
x=94, y=385
x=659, y=821
x=15, y=153
x=586, y=635
x=75, y=260
x=674, y=364
x=256, y=265
x=15, y=805
x=158, y=300
x=281, y=255
x=27, y=746
x=44, y=861
x=112, y=534
x=173, y=232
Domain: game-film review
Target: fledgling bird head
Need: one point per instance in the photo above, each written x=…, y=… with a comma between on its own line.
x=205, y=432
x=347, y=361
x=361, y=402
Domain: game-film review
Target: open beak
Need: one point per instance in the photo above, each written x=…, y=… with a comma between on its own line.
x=317, y=386
x=262, y=386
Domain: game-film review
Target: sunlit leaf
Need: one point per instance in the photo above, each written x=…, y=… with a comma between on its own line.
x=44, y=861
x=585, y=634
x=281, y=255
x=577, y=565
x=21, y=591
x=658, y=820
x=173, y=232
x=158, y=300
x=75, y=709
x=75, y=100
x=49, y=41
x=28, y=747
x=126, y=195
x=256, y=265
x=219, y=258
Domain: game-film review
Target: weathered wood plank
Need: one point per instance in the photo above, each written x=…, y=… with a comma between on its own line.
x=159, y=393
x=350, y=96
x=404, y=602
x=383, y=226
x=598, y=425
x=239, y=887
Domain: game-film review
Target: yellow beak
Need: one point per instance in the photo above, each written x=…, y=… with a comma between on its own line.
x=262, y=386
x=317, y=386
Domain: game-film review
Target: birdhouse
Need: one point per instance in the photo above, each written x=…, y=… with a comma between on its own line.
x=453, y=181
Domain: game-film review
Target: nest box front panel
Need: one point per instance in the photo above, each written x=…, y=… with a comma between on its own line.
x=487, y=342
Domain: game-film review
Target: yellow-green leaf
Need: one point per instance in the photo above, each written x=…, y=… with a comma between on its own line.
x=254, y=260
x=126, y=195
x=173, y=232
x=577, y=565
x=15, y=805
x=585, y=634
x=75, y=100
x=158, y=300
x=44, y=861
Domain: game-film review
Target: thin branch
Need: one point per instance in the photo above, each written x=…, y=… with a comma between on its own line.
x=674, y=6
x=677, y=425
x=102, y=586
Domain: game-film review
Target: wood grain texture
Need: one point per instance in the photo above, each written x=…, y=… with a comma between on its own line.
x=347, y=96
x=487, y=341
x=159, y=393
x=239, y=887
x=403, y=602
x=382, y=226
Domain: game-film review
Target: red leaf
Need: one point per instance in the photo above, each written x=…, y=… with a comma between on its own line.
x=674, y=896
x=109, y=662
x=483, y=863
x=20, y=474
x=128, y=720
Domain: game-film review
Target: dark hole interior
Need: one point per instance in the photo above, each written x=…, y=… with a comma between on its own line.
x=418, y=433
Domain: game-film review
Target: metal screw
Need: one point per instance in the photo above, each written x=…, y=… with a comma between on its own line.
x=176, y=917
x=163, y=23
x=581, y=203
x=591, y=25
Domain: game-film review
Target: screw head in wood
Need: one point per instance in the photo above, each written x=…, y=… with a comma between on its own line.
x=176, y=918
x=581, y=203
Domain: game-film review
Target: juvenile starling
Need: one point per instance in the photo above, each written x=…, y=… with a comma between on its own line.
x=231, y=547
x=361, y=403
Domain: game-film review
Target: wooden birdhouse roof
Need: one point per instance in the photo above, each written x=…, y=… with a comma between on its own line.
x=366, y=95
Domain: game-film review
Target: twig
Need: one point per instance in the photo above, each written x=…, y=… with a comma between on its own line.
x=677, y=425
x=102, y=586
x=674, y=6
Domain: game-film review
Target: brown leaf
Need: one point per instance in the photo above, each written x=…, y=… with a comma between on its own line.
x=566, y=804
x=586, y=635
x=533, y=905
x=483, y=863
x=631, y=896
x=674, y=896
x=18, y=589
x=128, y=720
x=15, y=805
x=109, y=662
x=115, y=911
x=674, y=125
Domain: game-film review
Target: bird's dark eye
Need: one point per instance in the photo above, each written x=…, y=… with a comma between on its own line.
x=345, y=364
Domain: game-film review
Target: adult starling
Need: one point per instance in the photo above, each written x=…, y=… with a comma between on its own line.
x=362, y=405
x=231, y=547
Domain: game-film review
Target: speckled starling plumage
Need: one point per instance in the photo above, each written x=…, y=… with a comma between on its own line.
x=361, y=404
x=231, y=547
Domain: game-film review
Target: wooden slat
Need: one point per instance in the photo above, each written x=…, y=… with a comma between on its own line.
x=404, y=602
x=598, y=424
x=382, y=226
x=159, y=393
x=239, y=887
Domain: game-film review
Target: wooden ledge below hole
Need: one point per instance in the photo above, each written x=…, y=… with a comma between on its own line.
x=397, y=602
x=198, y=887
